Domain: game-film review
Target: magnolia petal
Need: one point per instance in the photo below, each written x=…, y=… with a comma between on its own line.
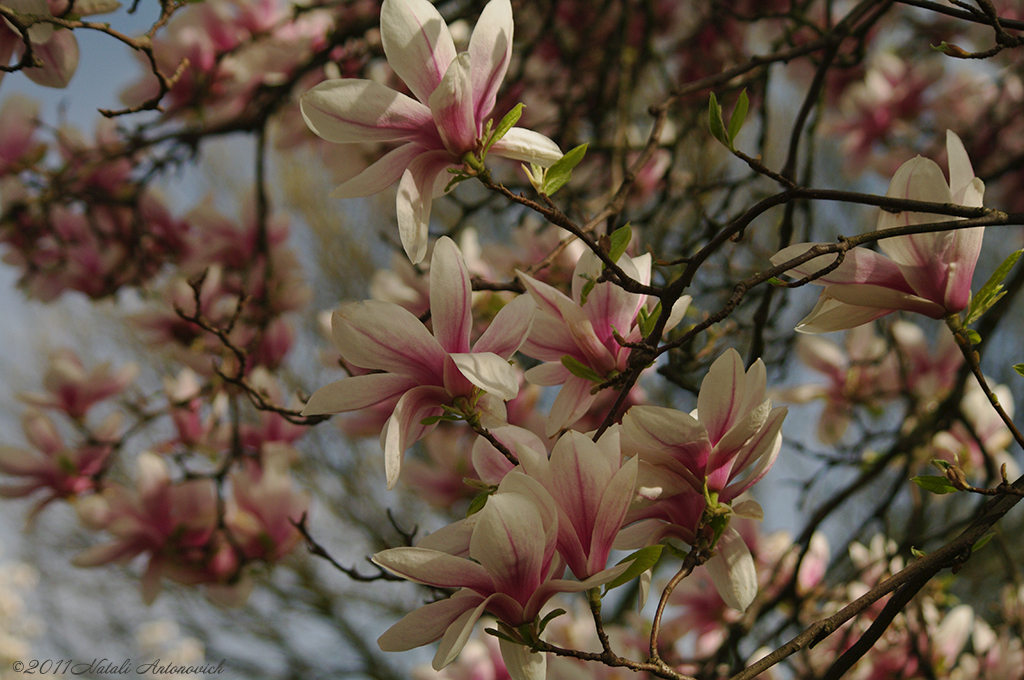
x=571, y=404
x=586, y=338
x=732, y=571
x=509, y=542
x=961, y=173
x=528, y=146
x=550, y=340
x=543, y=294
x=551, y=373
x=424, y=179
x=428, y=623
x=489, y=372
x=458, y=633
x=452, y=538
x=417, y=43
x=520, y=662
x=115, y=551
x=19, y=462
x=509, y=329
x=490, y=49
x=451, y=297
x=721, y=395
x=360, y=391
x=866, y=295
x=859, y=265
x=405, y=426
x=433, y=568
x=382, y=174
x=832, y=315
x=452, y=107
x=351, y=110
x=59, y=55
x=490, y=464
x=615, y=502
x=384, y=336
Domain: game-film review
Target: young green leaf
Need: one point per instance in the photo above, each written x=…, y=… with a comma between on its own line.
x=587, y=288
x=581, y=370
x=992, y=290
x=552, y=615
x=739, y=115
x=982, y=542
x=934, y=483
x=620, y=239
x=1019, y=368
x=506, y=124
x=642, y=560
x=559, y=174
x=477, y=504
x=715, y=122
x=648, y=319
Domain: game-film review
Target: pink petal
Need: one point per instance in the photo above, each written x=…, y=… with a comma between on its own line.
x=732, y=570
x=353, y=110
x=60, y=60
x=866, y=295
x=451, y=297
x=352, y=394
x=571, y=404
x=509, y=329
x=859, y=265
x=434, y=568
x=961, y=173
x=428, y=623
x=417, y=43
x=452, y=107
x=424, y=179
x=383, y=336
x=382, y=174
x=614, y=505
x=509, y=543
x=490, y=464
x=458, y=632
x=830, y=315
x=721, y=394
x=489, y=372
x=528, y=146
x=552, y=373
x=490, y=49
x=405, y=426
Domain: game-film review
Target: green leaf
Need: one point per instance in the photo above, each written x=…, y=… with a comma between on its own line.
x=973, y=336
x=982, y=542
x=642, y=560
x=447, y=417
x=502, y=636
x=506, y=124
x=649, y=319
x=552, y=615
x=934, y=483
x=1019, y=368
x=992, y=290
x=559, y=174
x=581, y=370
x=739, y=114
x=587, y=288
x=620, y=239
x=917, y=553
x=941, y=464
x=477, y=504
x=715, y=122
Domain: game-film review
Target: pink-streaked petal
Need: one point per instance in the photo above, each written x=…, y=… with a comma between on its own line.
x=963, y=256
x=452, y=538
x=741, y=431
x=417, y=44
x=451, y=297
x=509, y=329
x=859, y=265
x=543, y=294
x=521, y=663
x=452, y=107
x=382, y=174
x=764, y=449
x=490, y=49
x=490, y=464
x=721, y=395
x=550, y=340
x=458, y=633
x=666, y=437
x=59, y=55
x=528, y=146
x=961, y=173
x=509, y=543
x=353, y=110
x=553, y=373
x=614, y=505
x=549, y=589
x=383, y=336
x=571, y=404
x=434, y=568
x=405, y=426
x=424, y=179
x=585, y=337
x=732, y=571
x=428, y=623
x=360, y=391
x=489, y=372
x=115, y=551
x=865, y=295
x=608, y=306
x=830, y=315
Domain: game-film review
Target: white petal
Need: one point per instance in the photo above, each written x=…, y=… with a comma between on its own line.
x=732, y=570
x=489, y=372
x=417, y=43
x=353, y=110
x=521, y=144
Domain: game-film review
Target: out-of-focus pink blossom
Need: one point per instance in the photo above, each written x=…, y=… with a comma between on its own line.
x=55, y=48
x=73, y=390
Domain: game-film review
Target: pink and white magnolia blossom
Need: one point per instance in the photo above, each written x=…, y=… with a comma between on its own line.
x=510, y=568
x=727, y=445
x=73, y=390
x=429, y=371
x=583, y=332
x=55, y=48
x=927, y=273
x=456, y=94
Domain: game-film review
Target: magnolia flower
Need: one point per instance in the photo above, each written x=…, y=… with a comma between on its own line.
x=456, y=94
x=56, y=49
x=72, y=389
x=926, y=273
x=428, y=371
x=576, y=337
x=512, y=570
